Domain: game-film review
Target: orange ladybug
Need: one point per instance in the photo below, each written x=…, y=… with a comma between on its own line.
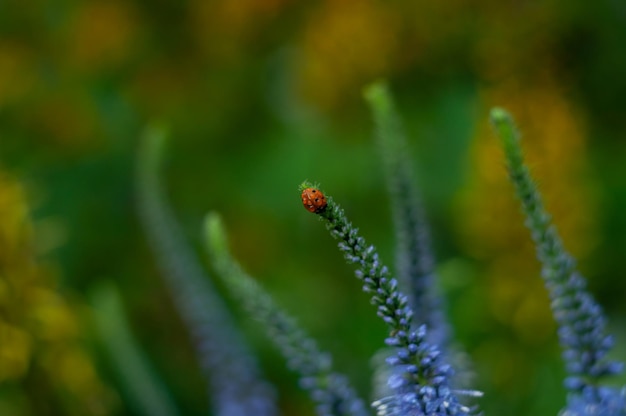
x=313, y=200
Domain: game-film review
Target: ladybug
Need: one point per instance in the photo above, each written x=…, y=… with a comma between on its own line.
x=314, y=200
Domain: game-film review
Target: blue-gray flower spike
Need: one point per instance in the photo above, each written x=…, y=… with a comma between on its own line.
x=232, y=373
x=582, y=325
x=414, y=258
x=422, y=386
x=330, y=391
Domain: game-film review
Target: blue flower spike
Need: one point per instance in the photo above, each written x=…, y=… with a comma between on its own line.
x=415, y=262
x=581, y=322
x=422, y=384
x=330, y=391
x=235, y=383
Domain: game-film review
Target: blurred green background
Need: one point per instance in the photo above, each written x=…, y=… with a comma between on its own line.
x=260, y=95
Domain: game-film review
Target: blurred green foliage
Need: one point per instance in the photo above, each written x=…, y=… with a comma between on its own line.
x=261, y=94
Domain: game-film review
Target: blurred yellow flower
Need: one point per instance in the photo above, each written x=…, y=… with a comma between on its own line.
x=15, y=351
x=17, y=75
x=225, y=29
x=101, y=35
x=39, y=329
x=345, y=45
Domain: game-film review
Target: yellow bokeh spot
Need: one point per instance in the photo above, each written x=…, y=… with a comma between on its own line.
x=14, y=227
x=17, y=75
x=15, y=350
x=67, y=118
x=530, y=321
x=225, y=29
x=51, y=317
x=76, y=371
x=101, y=34
x=346, y=45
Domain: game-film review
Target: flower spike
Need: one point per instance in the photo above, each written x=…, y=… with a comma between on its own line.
x=415, y=261
x=234, y=379
x=582, y=325
x=422, y=384
x=329, y=390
